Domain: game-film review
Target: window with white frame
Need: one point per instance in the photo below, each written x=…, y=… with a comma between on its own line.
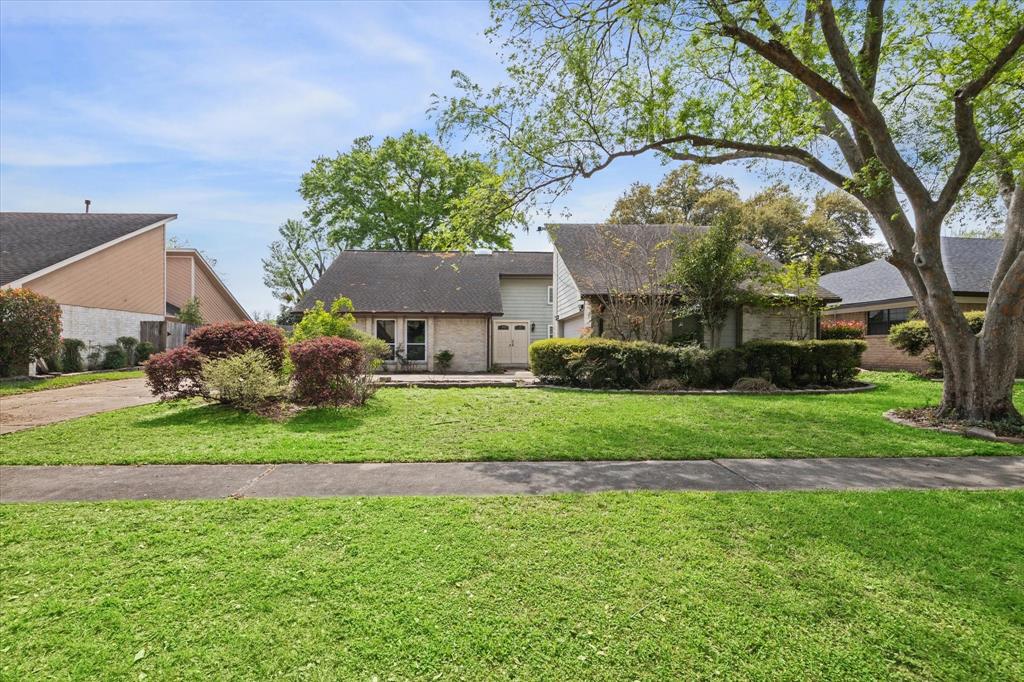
x=551, y=295
x=551, y=331
x=416, y=340
x=385, y=331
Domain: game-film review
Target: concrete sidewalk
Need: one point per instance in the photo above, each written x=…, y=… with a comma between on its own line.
x=39, y=408
x=211, y=481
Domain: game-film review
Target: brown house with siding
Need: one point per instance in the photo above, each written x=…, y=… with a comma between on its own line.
x=189, y=275
x=108, y=271
x=877, y=295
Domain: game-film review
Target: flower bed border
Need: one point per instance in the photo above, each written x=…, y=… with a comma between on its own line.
x=967, y=432
x=708, y=391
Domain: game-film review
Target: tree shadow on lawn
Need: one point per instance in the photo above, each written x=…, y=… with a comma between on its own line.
x=208, y=415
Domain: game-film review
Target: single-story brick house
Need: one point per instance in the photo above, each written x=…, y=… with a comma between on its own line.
x=877, y=295
x=108, y=271
x=595, y=261
x=486, y=308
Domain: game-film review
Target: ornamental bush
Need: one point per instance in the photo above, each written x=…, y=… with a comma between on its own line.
x=143, y=351
x=841, y=329
x=246, y=380
x=177, y=373
x=607, y=363
x=114, y=357
x=29, y=329
x=71, y=355
x=914, y=338
x=339, y=322
x=224, y=339
x=331, y=371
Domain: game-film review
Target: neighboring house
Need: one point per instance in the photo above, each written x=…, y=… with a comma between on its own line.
x=596, y=261
x=108, y=271
x=877, y=295
x=189, y=275
x=486, y=308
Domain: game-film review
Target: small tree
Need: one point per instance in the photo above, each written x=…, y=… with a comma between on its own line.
x=317, y=321
x=628, y=267
x=712, y=274
x=189, y=313
x=914, y=338
x=30, y=326
x=794, y=293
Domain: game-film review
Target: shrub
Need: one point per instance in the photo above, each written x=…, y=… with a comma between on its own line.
x=317, y=322
x=71, y=355
x=224, y=339
x=841, y=329
x=666, y=385
x=143, y=351
x=754, y=385
x=177, y=373
x=94, y=358
x=443, y=360
x=128, y=343
x=607, y=363
x=31, y=329
x=114, y=357
x=189, y=313
x=246, y=380
x=331, y=371
x=915, y=338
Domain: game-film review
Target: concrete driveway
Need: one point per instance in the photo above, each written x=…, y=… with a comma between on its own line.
x=18, y=412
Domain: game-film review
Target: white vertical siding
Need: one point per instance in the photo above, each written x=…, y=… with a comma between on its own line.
x=567, y=294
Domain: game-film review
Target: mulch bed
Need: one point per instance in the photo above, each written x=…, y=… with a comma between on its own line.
x=925, y=418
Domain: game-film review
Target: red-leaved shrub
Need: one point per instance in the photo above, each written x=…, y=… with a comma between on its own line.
x=224, y=339
x=841, y=329
x=177, y=373
x=331, y=371
x=30, y=326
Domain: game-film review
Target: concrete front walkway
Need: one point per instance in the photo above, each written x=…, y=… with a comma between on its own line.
x=210, y=481
x=26, y=410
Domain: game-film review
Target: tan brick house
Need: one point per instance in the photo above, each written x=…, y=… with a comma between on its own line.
x=877, y=295
x=485, y=308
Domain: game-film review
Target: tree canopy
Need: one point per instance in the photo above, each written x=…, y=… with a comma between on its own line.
x=297, y=260
x=913, y=108
x=408, y=193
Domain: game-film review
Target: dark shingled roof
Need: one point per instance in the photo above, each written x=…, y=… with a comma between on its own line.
x=424, y=281
x=30, y=242
x=585, y=248
x=969, y=264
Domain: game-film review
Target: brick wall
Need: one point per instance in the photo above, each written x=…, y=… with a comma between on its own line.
x=465, y=337
x=98, y=326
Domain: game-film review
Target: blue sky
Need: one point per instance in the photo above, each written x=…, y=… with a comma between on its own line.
x=213, y=111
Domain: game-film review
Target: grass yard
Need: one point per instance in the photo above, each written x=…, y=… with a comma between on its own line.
x=508, y=424
x=16, y=386
x=915, y=585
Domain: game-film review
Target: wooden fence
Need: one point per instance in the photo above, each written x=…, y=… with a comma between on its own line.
x=165, y=335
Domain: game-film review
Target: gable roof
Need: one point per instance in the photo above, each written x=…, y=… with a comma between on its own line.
x=424, y=281
x=585, y=250
x=970, y=265
x=34, y=242
x=198, y=257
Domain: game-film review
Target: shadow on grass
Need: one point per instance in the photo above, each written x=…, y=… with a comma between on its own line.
x=200, y=415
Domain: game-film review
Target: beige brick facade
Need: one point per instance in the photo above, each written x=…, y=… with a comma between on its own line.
x=466, y=337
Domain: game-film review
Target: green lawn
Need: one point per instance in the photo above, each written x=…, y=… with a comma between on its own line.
x=912, y=585
x=16, y=386
x=508, y=424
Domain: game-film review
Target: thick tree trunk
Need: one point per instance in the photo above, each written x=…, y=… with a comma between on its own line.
x=978, y=380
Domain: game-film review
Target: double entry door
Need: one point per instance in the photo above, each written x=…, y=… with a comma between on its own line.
x=511, y=342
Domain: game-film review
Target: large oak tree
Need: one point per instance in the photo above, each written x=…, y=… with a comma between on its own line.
x=914, y=108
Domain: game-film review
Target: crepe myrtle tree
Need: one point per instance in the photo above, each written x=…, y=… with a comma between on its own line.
x=914, y=108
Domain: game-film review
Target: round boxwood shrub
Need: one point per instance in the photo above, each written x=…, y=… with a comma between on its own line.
x=177, y=373
x=143, y=351
x=31, y=329
x=114, y=357
x=224, y=339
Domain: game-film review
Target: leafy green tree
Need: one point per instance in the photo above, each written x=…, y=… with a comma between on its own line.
x=913, y=108
x=673, y=201
x=297, y=260
x=29, y=329
x=190, y=313
x=406, y=194
x=712, y=274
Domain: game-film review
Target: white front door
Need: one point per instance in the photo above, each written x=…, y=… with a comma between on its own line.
x=511, y=343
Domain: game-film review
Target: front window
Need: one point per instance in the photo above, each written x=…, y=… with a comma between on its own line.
x=416, y=340
x=386, y=333
x=880, y=321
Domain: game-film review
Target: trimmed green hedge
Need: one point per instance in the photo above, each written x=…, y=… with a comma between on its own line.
x=607, y=363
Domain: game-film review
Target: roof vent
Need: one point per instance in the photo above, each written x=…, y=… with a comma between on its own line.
x=87, y=202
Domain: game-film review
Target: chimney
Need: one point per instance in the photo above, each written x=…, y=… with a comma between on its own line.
x=87, y=202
